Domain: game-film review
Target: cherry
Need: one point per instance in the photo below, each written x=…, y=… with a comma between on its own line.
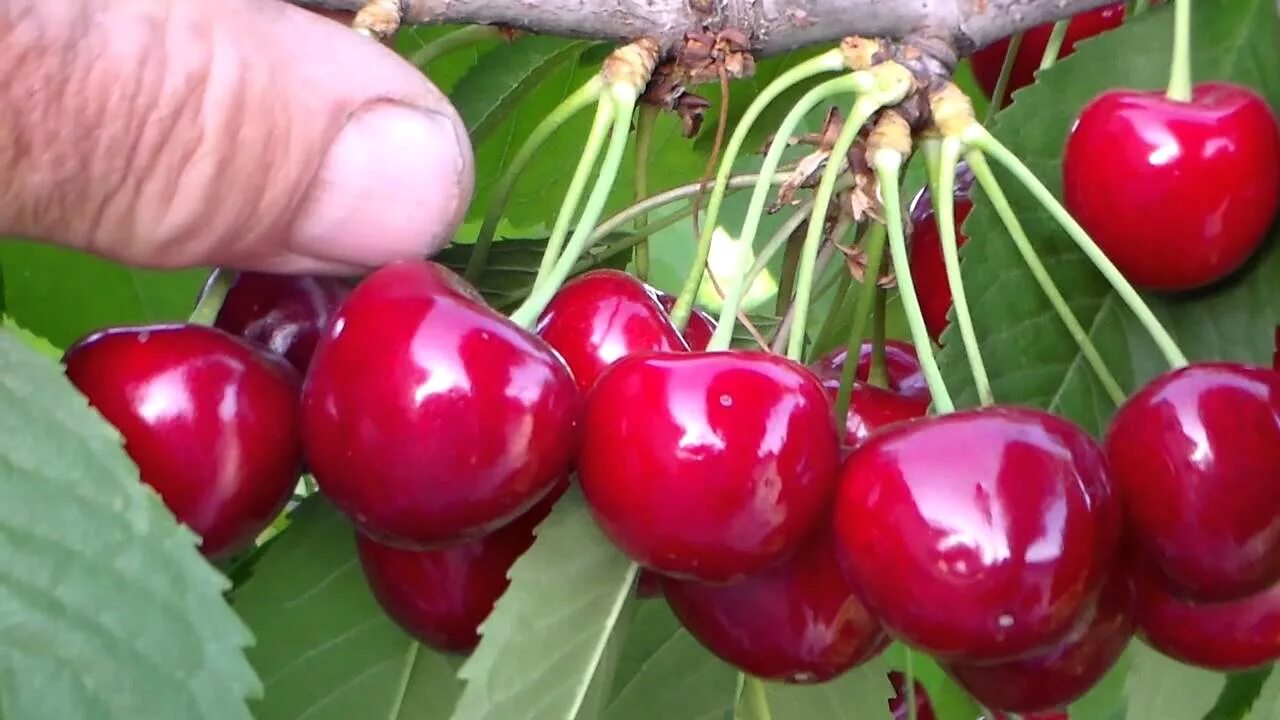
x=601, y=316
x=987, y=62
x=429, y=418
x=1177, y=194
x=981, y=535
x=441, y=596
x=708, y=466
x=901, y=364
x=924, y=254
x=1064, y=674
x=898, y=703
x=1224, y=636
x=283, y=313
x=1196, y=454
x=210, y=421
x=798, y=622
x=872, y=408
x=699, y=329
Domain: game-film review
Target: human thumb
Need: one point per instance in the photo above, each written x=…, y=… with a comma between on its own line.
x=245, y=133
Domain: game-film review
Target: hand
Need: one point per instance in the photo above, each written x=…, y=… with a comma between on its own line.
x=245, y=133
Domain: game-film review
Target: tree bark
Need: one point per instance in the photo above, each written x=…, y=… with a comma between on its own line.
x=774, y=26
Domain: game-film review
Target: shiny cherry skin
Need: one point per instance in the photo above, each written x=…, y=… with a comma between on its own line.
x=1178, y=195
x=987, y=62
x=286, y=314
x=903, y=367
x=211, y=422
x=708, y=466
x=699, y=329
x=924, y=254
x=798, y=622
x=1196, y=455
x=429, y=418
x=872, y=408
x=898, y=703
x=601, y=316
x=981, y=535
x=1056, y=678
x=1223, y=636
x=441, y=596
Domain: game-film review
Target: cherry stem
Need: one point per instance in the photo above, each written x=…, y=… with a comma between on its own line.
x=977, y=136
x=830, y=61
x=944, y=197
x=995, y=194
x=456, y=40
x=1054, y=48
x=582, y=97
x=783, y=331
x=873, y=245
x=888, y=166
x=909, y=675
x=1180, y=69
x=759, y=699
x=1139, y=7
x=622, y=101
x=1002, y=82
x=644, y=153
x=878, y=372
x=212, y=297
x=666, y=197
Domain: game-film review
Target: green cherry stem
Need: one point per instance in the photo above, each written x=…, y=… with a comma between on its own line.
x=1054, y=48
x=1002, y=82
x=759, y=699
x=211, y=297
x=644, y=153
x=581, y=98
x=878, y=371
x=622, y=217
x=1139, y=7
x=909, y=676
x=873, y=245
x=944, y=198
x=977, y=136
x=456, y=40
x=888, y=167
x=1180, y=70
x=995, y=194
x=830, y=61
x=622, y=99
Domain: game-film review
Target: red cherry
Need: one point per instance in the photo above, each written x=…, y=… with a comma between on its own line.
x=902, y=365
x=1178, y=194
x=986, y=62
x=211, y=422
x=428, y=418
x=1053, y=715
x=1224, y=636
x=1064, y=674
x=601, y=316
x=440, y=597
x=1003, y=518
x=286, y=314
x=928, y=269
x=872, y=408
x=1196, y=455
x=898, y=703
x=798, y=622
x=708, y=466
x=699, y=329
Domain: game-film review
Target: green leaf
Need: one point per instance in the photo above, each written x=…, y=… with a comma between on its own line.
x=325, y=649
x=1029, y=355
x=1241, y=691
x=1107, y=697
x=1267, y=706
x=862, y=693
x=1162, y=689
x=107, y=609
x=37, y=343
x=550, y=644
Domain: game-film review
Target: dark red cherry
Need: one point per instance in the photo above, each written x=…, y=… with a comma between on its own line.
x=601, y=316
x=1224, y=636
x=872, y=408
x=981, y=535
x=798, y=622
x=902, y=365
x=898, y=703
x=986, y=62
x=1196, y=455
x=211, y=422
x=440, y=597
x=928, y=269
x=1054, y=679
x=1051, y=715
x=1177, y=194
x=429, y=418
x=708, y=466
x=286, y=314
x=699, y=329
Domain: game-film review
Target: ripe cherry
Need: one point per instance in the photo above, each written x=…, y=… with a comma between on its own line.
x=440, y=597
x=903, y=367
x=286, y=314
x=898, y=703
x=872, y=408
x=798, y=622
x=699, y=329
x=1002, y=518
x=1177, y=194
x=1196, y=454
x=928, y=269
x=1053, y=679
x=601, y=316
x=211, y=422
x=987, y=62
x=429, y=418
x=708, y=466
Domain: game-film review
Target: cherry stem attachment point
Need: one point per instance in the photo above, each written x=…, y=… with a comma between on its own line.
x=212, y=296
x=910, y=682
x=451, y=42
x=995, y=194
x=978, y=137
x=1002, y=82
x=873, y=245
x=1180, y=68
x=1054, y=48
x=644, y=153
